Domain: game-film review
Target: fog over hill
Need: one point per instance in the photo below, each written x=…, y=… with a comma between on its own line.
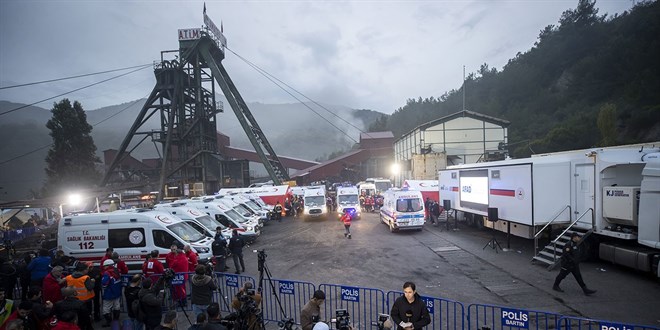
x=292, y=129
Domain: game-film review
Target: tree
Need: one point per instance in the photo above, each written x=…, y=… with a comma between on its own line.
x=607, y=124
x=72, y=158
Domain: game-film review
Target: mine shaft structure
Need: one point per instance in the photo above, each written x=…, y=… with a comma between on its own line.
x=184, y=100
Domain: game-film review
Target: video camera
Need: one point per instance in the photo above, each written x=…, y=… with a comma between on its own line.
x=168, y=274
x=382, y=318
x=342, y=319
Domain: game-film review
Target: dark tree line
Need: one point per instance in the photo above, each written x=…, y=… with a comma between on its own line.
x=589, y=81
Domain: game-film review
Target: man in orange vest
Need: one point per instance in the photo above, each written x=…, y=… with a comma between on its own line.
x=83, y=284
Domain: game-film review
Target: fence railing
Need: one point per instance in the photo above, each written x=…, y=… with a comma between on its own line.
x=445, y=313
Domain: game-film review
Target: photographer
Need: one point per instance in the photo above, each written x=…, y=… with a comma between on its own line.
x=247, y=303
x=202, y=290
x=151, y=297
x=311, y=313
x=409, y=311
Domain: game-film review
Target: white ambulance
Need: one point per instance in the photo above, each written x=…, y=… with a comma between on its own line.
x=314, y=202
x=402, y=209
x=347, y=198
x=131, y=234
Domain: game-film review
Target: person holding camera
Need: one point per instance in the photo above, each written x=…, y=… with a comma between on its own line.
x=247, y=303
x=214, y=320
x=202, y=290
x=311, y=313
x=236, y=244
x=409, y=311
x=151, y=297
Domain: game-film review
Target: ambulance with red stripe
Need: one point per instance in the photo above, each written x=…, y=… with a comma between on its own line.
x=402, y=209
x=131, y=234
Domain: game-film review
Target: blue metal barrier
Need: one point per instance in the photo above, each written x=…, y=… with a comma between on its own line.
x=499, y=317
x=362, y=304
x=578, y=323
x=228, y=287
x=18, y=234
x=445, y=313
x=292, y=294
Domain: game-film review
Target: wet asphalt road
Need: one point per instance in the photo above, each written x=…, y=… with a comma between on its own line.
x=449, y=264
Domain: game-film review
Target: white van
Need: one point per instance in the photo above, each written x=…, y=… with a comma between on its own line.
x=247, y=202
x=131, y=234
x=347, y=198
x=198, y=218
x=402, y=209
x=314, y=202
x=226, y=216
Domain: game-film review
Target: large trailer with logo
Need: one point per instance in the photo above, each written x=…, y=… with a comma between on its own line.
x=613, y=193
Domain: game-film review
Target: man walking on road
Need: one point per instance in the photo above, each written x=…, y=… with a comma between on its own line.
x=570, y=263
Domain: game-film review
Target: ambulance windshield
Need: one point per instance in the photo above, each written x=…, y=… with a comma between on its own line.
x=186, y=232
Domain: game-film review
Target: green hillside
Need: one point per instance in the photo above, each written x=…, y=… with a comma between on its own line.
x=589, y=81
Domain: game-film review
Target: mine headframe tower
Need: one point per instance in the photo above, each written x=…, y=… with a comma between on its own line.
x=187, y=113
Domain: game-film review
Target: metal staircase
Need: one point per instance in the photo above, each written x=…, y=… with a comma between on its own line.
x=550, y=255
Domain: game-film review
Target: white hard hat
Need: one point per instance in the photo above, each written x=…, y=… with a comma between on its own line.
x=321, y=326
x=108, y=262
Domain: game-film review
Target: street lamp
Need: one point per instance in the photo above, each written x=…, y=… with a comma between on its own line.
x=396, y=171
x=72, y=199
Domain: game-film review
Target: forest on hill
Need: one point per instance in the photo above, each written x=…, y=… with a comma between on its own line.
x=590, y=80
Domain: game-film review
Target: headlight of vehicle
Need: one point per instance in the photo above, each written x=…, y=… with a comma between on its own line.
x=202, y=249
x=249, y=228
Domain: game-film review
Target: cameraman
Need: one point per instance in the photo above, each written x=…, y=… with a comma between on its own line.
x=215, y=322
x=409, y=311
x=202, y=288
x=247, y=303
x=311, y=313
x=151, y=297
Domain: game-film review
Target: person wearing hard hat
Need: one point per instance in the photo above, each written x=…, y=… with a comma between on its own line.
x=111, y=282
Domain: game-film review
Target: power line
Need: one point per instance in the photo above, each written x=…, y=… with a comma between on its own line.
x=73, y=77
x=273, y=78
x=75, y=90
x=93, y=125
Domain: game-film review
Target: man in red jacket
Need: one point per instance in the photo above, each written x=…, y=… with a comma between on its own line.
x=120, y=264
x=179, y=264
x=53, y=284
x=346, y=219
x=107, y=255
x=192, y=258
x=152, y=267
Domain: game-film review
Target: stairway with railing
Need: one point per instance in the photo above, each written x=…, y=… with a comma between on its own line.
x=551, y=253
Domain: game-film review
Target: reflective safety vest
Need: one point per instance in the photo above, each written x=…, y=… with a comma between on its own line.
x=79, y=285
x=6, y=310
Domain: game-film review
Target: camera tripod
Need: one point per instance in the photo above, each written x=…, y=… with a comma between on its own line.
x=493, y=243
x=286, y=323
x=168, y=299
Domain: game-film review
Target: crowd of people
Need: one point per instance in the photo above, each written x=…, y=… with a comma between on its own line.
x=57, y=291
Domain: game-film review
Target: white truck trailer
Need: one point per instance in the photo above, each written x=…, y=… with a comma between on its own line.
x=612, y=193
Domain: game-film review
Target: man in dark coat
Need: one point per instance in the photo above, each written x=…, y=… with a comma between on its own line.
x=151, y=297
x=236, y=244
x=409, y=311
x=570, y=263
x=71, y=303
x=219, y=249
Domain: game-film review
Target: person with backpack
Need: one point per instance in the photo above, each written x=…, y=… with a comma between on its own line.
x=131, y=296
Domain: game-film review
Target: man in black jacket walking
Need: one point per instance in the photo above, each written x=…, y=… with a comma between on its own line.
x=409, y=311
x=236, y=244
x=570, y=263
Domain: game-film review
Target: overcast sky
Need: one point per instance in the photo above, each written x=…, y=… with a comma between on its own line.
x=361, y=54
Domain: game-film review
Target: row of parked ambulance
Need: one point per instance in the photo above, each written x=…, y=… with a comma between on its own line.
x=133, y=233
